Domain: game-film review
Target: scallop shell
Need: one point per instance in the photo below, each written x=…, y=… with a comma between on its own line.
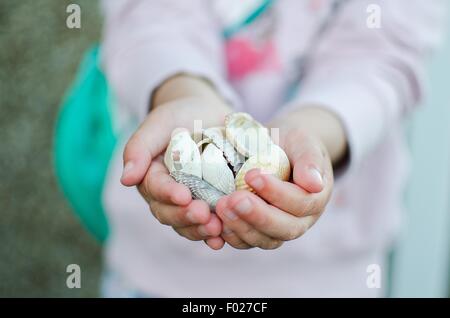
x=183, y=155
x=199, y=188
x=217, y=136
x=273, y=162
x=215, y=169
x=247, y=135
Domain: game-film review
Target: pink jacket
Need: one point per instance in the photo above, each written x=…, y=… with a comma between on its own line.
x=370, y=77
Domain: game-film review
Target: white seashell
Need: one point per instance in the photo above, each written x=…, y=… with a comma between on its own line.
x=273, y=162
x=215, y=169
x=202, y=144
x=214, y=162
x=247, y=135
x=217, y=136
x=183, y=155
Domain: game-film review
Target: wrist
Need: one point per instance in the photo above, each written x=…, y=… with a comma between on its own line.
x=187, y=86
x=319, y=123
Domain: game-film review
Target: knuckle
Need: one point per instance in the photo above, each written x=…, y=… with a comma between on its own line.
x=309, y=206
x=271, y=244
x=163, y=220
x=301, y=229
x=146, y=187
x=186, y=234
x=148, y=184
x=237, y=243
x=181, y=218
x=160, y=218
x=254, y=238
x=291, y=233
x=153, y=205
x=158, y=214
x=250, y=235
x=242, y=246
x=144, y=190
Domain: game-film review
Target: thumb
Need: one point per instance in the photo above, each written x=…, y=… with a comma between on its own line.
x=146, y=143
x=309, y=164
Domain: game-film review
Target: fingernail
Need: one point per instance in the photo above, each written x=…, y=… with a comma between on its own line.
x=190, y=216
x=226, y=231
x=243, y=207
x=316, y=175
x=202, y=230
x=230, y=214
x=128, y=167
x=257, y=183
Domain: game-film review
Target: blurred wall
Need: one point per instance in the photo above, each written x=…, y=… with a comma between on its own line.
x=421, y=260
x=39, y=234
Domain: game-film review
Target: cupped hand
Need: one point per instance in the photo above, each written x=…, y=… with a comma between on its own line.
x=281, y=210
x=170, y=202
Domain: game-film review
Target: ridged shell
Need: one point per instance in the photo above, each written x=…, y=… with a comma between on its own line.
x=247, y=135
x=215, y=169
x=182, y=154
x=217, y=136
x=273, y=162
x=199, y=188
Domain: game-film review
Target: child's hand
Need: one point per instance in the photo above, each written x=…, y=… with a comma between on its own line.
x=170, y=202
x=284, y=211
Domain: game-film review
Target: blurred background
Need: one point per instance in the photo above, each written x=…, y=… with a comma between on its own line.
x=38, y=59
x=40, y=235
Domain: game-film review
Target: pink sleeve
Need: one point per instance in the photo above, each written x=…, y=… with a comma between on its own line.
x=371, y=77
x=145, y=42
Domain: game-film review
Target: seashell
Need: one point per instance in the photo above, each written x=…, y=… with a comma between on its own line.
x=216, y=135
x=182, y=154
x=199, y=188
x=202, y=143
x=215, y=169
x=213, y=163
x=273, y=162
x=247, y=135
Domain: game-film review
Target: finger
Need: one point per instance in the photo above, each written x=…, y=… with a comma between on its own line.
x=308, y=160
x=216, y=243
x=197, y=212
x=262, y=217
x=146, y=143
x=211, y=229
x=233, y=240
x=236, y=228
x=287, y=196
x=160, y=186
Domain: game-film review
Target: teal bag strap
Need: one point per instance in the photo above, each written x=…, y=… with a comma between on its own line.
x=231, y=30
x=83, y=144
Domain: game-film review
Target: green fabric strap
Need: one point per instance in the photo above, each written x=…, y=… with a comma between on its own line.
x=83, y=144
